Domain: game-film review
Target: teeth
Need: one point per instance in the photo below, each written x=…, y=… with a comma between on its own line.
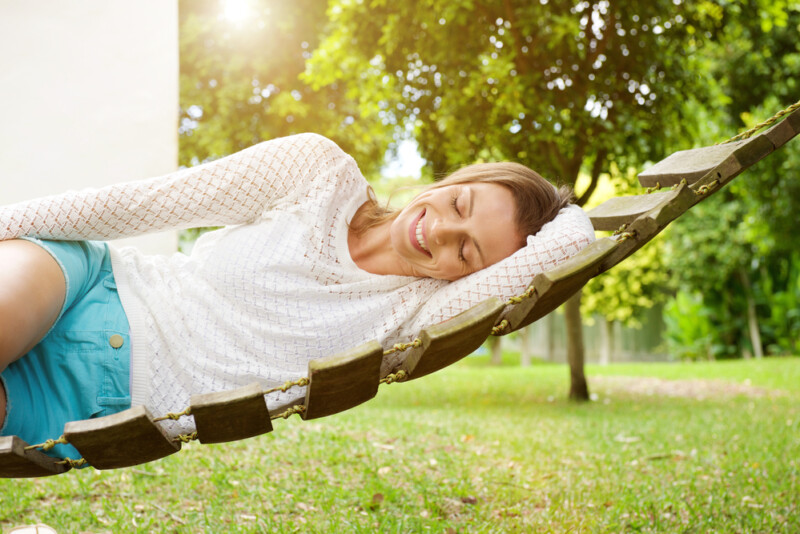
x=419, y=236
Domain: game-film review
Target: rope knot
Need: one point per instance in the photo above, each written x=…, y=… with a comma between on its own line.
x=186, y=438
x=290, y=412
x=704, y=189
x=624, y=236
x=499, y=329
x=174, y=416
x=399, y=376
x=654, y=188
x=400, y=347
x=73, y=463
x=49, y=444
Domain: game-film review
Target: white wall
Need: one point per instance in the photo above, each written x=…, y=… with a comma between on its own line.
x=88, y=96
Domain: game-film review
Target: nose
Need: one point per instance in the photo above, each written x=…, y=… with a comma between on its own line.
x=443, y=230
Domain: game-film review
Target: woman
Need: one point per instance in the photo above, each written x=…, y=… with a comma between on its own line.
x=308, y=265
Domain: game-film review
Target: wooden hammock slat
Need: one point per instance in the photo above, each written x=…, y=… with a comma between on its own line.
x=343, y=381
x=646, y=226
x=616, y=211
x=447, y=342
x=782, y=132
x=557, y=285
x=121, y=439
x=16, y=462
x=755, y=149
x=692, y=165
x=231, y=415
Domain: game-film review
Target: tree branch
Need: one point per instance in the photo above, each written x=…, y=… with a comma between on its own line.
x=597, y=168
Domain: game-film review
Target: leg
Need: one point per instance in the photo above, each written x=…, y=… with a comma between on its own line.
x=75, y=372
x=32, y=292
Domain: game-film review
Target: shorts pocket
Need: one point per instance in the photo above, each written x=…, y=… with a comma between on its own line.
x=112, y=405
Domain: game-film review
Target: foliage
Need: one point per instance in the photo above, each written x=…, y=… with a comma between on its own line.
x=555, y=85
x=689, y=331
x=742, y=242
x=636, y=284
x=723, y=251
x=239, y=83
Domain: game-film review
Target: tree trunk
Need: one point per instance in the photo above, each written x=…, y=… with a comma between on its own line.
x=495, y=345
x=578, y=389
x=525, y=347
x=752, y=317
x=608, y=342
x=550, y=340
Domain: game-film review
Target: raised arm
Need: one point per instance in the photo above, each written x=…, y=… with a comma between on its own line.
x=232, y=190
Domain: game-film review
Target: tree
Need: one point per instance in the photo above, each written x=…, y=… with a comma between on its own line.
x=240, y=85
x=556, y=85
x=734, y=259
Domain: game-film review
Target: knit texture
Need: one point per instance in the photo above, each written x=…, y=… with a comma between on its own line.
x=275, y=288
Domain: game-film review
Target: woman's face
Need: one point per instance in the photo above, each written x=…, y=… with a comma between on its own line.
x=452, y=231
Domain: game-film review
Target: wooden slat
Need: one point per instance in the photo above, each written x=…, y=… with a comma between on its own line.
x=446, y=343
x=648, y=225
x=692, y=165
x=782, y=132
x=557, y=285
x=343, y=381
x=120, y=440
x=16, y=462
x=616, y=211
x=746, y=156
x=231, y=415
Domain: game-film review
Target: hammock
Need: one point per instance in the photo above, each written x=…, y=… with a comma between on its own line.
x=347, y=379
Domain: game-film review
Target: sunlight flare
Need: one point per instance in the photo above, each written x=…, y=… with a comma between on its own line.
x=237, y=11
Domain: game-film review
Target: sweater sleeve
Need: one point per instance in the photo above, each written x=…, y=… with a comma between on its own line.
x=232, y=190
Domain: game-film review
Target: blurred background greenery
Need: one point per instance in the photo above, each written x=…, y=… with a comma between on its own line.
x=587, y=93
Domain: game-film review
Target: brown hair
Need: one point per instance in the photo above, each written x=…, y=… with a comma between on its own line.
x=537, y=200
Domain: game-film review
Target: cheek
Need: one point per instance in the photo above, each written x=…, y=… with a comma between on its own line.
x=397, y=230
x=450, y=269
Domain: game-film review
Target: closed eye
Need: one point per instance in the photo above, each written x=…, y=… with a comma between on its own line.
x=454, y=203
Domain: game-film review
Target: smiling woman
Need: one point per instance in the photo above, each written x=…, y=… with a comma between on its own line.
x=472, y=219
x=307, y=264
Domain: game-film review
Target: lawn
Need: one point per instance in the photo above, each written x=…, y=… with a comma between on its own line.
x=662, y=448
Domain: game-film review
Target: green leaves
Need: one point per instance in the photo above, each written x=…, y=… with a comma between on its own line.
x=245, y=79
x=547, y=85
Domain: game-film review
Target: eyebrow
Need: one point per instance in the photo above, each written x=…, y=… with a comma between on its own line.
x=474, y=242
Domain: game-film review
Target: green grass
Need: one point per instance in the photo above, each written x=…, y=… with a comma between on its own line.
x=474, y=449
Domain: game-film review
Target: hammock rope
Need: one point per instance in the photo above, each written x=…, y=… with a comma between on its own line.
x=769, y=122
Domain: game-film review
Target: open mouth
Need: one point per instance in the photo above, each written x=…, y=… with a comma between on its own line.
x=416, y=232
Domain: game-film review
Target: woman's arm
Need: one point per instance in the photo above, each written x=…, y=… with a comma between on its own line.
x=233, y=190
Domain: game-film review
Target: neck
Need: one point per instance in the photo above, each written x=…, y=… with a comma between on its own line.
x=372, y=250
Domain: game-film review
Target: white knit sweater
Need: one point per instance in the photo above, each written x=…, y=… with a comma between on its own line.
x=258, y=299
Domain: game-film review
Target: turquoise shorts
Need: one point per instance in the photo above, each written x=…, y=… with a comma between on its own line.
x=81, y=368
